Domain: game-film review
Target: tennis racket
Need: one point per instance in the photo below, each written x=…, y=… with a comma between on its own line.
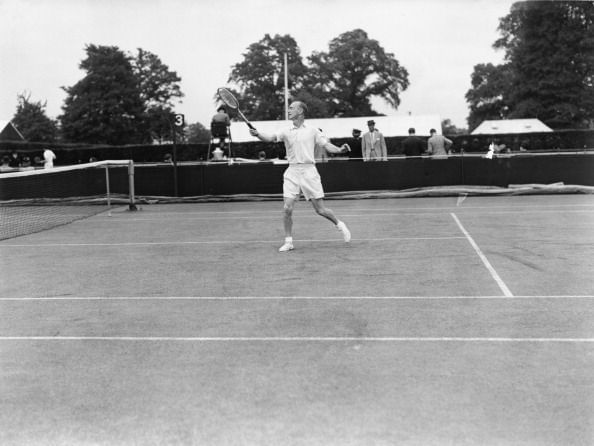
x=230, y=101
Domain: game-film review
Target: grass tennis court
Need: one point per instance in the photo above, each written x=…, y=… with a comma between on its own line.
x=439, y=324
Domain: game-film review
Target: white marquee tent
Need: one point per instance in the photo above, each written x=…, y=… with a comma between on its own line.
x=343, y=127
x=511, y=126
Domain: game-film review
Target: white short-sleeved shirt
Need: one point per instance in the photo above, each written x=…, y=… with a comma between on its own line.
x=49, y=157
x=300, y=143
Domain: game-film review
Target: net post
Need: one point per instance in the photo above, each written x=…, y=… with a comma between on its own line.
x=107, y=190
x=132, y=205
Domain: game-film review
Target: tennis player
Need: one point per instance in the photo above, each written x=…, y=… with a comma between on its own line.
x=301, y=175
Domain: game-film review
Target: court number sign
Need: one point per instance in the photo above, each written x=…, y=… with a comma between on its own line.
x=179, y=120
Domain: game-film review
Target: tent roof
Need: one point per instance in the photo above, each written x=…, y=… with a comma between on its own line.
x=8, y=132
x=343, y=127
x=511, y=126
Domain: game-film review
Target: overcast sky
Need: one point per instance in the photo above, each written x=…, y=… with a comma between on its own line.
x=438, y=41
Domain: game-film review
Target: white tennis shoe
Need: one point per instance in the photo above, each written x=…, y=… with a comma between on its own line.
x=288, y=246
x=346, y=234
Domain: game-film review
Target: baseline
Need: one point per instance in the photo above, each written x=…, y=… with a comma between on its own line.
x=293, y=339
x=226, y=242
x=243, y=298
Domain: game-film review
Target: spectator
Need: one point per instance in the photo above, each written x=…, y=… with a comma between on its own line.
x=374, y=144
x=413, y=145
x=222, y=116
x=15, y=160
x=49, y=157
x=438, y=145
x=26, y=161
x=219, y=126
x=356, y=153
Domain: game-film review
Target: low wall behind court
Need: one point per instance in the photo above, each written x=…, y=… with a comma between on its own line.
x=395, y=174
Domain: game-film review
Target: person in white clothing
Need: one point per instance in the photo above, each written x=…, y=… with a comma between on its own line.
x=301, y=175
x=49, y=156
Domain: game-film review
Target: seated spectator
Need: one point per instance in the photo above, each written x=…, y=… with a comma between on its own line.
x=221, y=116
x=413, y=145
x=15, y=160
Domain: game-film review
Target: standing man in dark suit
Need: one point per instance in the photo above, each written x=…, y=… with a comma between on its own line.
x=356, y=153
x=413, y=145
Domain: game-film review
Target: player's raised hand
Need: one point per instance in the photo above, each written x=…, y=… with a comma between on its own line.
x=345, y=148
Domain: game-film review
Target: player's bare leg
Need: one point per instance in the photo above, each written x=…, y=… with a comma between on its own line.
x=289, y=204
x=318, y=205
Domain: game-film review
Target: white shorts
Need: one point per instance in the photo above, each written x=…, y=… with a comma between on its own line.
x=302, y=178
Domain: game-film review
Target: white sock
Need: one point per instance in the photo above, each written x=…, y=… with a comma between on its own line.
x=288, y=239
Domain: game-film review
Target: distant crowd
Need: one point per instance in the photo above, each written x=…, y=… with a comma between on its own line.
x=24, y=162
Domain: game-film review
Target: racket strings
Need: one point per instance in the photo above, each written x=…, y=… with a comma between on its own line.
x=228, y=98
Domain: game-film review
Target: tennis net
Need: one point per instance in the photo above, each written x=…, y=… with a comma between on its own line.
x=37, y=200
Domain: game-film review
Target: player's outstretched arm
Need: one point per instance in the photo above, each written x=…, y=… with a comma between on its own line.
x=335, y=149
x=262, y=136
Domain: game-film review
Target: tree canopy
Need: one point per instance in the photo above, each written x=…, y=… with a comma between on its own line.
x=32, y=122
x=338, y=82
x=549, y=66
x=353, y=70
x=159, y=90
x=121, y=100
x=260, y=76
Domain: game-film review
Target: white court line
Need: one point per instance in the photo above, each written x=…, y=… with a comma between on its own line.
x=432, y=208
x=291, y=339
x=500, y=282
x=227, y=242
x=188, y=216
x=254, y=298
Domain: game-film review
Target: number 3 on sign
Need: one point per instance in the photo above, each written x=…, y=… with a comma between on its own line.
x=179, y=120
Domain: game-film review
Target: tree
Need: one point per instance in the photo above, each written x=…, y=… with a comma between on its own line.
x=197, y=133
x=549, y=52
x=355, y=69
x=159, y=88
x=260, y=76
x=489, y=96
x=448, y=128
x=105, y=107
x=32, y=122
x=339, y=82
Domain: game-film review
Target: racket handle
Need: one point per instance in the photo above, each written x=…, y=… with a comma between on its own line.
x=242, y=116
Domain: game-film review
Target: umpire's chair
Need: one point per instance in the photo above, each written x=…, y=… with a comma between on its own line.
x=220, y=136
